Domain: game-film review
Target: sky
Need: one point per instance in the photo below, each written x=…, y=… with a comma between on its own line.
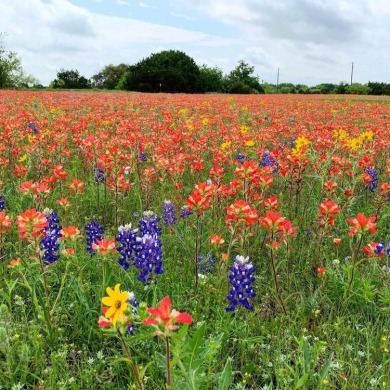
x=309, y=41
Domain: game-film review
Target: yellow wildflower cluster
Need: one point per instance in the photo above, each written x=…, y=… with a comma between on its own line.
x=353, y=143
x=300, y=148
x=243, y=129
x=226, y=145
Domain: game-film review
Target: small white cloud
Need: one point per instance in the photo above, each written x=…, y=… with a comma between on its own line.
x=145, y=5
x=122, y=2
x=182, y=16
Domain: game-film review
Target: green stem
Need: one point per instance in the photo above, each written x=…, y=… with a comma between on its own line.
x=354, y=262
x=61, y=287
x=131, y=362
x=168, y=362
x=276, y=283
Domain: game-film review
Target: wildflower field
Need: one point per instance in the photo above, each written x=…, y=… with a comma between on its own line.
x=194, y=241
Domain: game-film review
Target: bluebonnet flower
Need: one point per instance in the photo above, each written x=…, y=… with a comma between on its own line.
x=149, y=223
x=241, y=280
x=206, y=264
x=379, y=248
x=94, y=233
x=127, y=245
x=149, y=257
x=50, y=244
x=240, y=157
x=142, y=156
x=33, y=127
x=373, y=184
x=266, y=159
x=99, y=175
x=2, y=205
x=134, y=304
x=292, y=142
x=169, y=213
x=185, y=212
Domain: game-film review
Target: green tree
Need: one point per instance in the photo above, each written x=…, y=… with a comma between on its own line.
x=11, y=71
x=211, y=79
x=109, y=76
x=167, y=71
x=70, y=79
x=241, y=80
x=357, y=89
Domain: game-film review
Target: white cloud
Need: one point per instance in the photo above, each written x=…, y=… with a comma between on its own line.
x=311, y=41
x=62, y=35
x=146, y=5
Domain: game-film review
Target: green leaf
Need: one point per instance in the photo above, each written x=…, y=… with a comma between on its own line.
x=226, y=378
x=302, y=381
x=325, y=368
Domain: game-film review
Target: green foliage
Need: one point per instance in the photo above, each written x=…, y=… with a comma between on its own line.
x=167, y=71
x=70, y=79
x=241, y=80
x=11, y=71
x=211, y=79
x=358, y=89
x=111, y=76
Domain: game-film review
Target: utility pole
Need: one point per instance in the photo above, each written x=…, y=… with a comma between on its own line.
x=351, y=73
x=277, y=82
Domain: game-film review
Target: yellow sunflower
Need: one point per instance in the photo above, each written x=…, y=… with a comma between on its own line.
x=116, y=303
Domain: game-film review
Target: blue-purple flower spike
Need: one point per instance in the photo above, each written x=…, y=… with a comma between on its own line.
x=50, y=244
x=127, y=245
x=169, y=213
x=2, y=205
x=149, y=223
x=241, y=279
x=94, y=233
x=149, y=257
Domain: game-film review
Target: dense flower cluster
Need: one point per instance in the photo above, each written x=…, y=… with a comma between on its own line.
x=94, y=233
x=241, y=279
x=206, y=264
x=50, y=243
x=33, y=127
x=149, y=223
x=185, y=212
x=169, y=213
x=142, y=247
x=2, y=205
x=99, y=175
x=149, y=257
x=240, y=157
x=267, y=160
x=371, y=179
x=127, y=245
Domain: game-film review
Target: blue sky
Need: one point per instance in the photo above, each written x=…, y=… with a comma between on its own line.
x=310, y=41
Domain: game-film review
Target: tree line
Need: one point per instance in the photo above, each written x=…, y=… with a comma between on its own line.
x=172, y=71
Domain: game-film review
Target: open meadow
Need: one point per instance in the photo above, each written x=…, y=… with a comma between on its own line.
x=152, y=241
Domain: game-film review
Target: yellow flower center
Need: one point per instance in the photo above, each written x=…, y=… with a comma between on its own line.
x=118, y=304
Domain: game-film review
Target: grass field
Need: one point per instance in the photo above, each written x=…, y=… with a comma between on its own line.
x=265, y=219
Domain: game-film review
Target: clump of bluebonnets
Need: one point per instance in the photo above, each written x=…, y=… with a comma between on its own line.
x=241, y=279
x=94, y=233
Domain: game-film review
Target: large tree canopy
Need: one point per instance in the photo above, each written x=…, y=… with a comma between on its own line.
x=110, y=76
x=167, y=71
x=70, y=79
